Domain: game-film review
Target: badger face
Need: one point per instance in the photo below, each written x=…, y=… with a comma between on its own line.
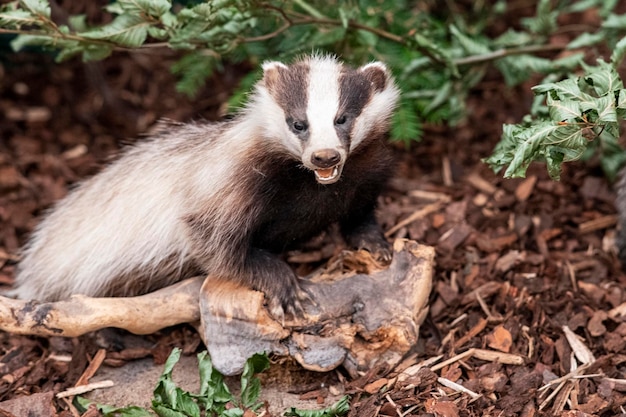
x=326, y=110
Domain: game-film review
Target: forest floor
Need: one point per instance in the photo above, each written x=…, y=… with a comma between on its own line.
x=539, y=253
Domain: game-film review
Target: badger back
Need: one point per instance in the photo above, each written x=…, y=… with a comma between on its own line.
x=320, y=111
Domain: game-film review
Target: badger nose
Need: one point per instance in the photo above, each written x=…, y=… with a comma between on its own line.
x=325, y=158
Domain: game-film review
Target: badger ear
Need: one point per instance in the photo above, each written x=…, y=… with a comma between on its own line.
x=377, y=74
x=271, y=73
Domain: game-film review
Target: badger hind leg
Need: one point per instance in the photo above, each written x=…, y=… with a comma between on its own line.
x=362, y=231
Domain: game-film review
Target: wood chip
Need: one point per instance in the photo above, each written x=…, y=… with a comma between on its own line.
x=85, y=388
x=93, y=367
x=451, y=239
x=525, y=188
x=498, y=357
x=599, y=223
x=458, y=387
x=478, y=327
x=582, y=352
x=481, y=184
x=500, y=339
x=417, y=215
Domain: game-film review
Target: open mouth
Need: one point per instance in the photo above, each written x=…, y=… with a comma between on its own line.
x=328, y=175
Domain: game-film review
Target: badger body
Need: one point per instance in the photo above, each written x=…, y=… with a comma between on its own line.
x=224, y=198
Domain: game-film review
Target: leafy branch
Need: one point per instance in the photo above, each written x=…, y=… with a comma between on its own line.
x=436, y=60
x=571, y=117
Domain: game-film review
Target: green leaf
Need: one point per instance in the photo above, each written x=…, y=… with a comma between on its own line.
x=602, y=78
x=616, y=22
x=17, y=18
x=532, y=138
x=154, y=8
x=563, y=110
x=125, y=30
x=250, y=385
x=619, y=51
x=568, y=89
x=37, y=7
x=406, y=126
x=193, y=69
x=109, y=411
x=606, y=109
x=586, y=39
x=512, y=38
x=340, y=408
x=471, y=45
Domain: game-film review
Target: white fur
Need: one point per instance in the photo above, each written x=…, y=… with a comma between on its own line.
x=72, y=252
x=377, y=111
x=322, y=108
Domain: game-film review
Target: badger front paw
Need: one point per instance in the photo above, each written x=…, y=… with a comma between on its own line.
x=373, y=242
x=284, y=291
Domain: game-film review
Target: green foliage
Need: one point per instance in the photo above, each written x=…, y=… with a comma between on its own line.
x=576, y=114
x=213, y=399
x=437, y=55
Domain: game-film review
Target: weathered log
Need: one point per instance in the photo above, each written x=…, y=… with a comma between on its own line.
x=361, y=314
x=358, y=320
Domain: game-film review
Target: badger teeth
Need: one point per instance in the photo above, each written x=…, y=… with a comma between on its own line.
x=328, y=175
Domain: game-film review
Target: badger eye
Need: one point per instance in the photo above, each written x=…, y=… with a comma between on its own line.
x=341, y=120
x=299, y=126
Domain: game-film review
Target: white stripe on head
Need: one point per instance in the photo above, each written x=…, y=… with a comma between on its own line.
x=322, y=106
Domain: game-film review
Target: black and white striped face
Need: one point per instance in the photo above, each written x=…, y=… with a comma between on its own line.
x=322, y=110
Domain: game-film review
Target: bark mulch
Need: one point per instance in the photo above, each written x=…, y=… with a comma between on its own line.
x=524, y=267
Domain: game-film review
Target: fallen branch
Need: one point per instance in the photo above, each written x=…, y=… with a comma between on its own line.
x=79, y=314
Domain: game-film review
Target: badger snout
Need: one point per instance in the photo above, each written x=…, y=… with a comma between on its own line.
x=325, y=158
x=328, y=163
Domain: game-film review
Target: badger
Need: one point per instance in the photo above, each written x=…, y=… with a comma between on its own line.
x=225, y=199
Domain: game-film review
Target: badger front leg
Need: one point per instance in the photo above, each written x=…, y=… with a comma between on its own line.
x=232, y=257
x=361, y=231
x=265, y=272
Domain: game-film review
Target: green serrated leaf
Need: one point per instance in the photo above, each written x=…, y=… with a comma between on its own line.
x=513, y=38
x=602, y=78
x=37, y=7
x=606, y=109
x=125, y=30
x=619, y=52
x=529, y=142
x=154, y=8
x=586, y=40
x=471, y=45
x=250, y=384
x=563, y=110
x=92, y=52
x=18, y=18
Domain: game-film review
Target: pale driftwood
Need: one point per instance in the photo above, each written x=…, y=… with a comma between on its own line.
x=79, y=314
x=359, y=320
x=362, y=314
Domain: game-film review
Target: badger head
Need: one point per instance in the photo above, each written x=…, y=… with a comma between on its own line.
x=321, y=110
